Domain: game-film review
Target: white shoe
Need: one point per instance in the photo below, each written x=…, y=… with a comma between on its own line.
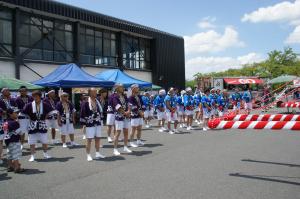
x=89, y=157
x=65, y=145
x=109, y=140
x=127, y=150
x=83, y=137
x=147, y=126
x=46, y=155
x=21, y=147
x=161, y=130
x=171, y=132
x=31, y=159
x=140, y=143
x=188, y=128
x=99, y=156
x=133, y=145
x=57, y=142
x=180, y=126
x=175, y=131
x=191, y=128
x=204, y=129
x=74, y=144
x=184, y=126
x=164, y=129
x=116, y=152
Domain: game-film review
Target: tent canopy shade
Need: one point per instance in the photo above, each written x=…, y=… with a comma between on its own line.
x=118, y=76
x=14, y=84
x=70, y=76
x=282, y=79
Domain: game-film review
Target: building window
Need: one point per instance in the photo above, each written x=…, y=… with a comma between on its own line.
x=136, y=52
x=97, y=47
x=5, y=33
x=46, y=39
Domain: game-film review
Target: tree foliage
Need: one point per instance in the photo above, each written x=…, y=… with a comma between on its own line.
x=277, y=63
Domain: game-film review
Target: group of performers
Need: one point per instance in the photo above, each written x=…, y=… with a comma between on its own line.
x=123, y=114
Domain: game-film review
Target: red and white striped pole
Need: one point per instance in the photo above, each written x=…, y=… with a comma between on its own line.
x=265, y=117
x=274, y=125
x=290, y=104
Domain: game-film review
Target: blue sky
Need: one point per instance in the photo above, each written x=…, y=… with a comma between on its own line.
x=218, y=34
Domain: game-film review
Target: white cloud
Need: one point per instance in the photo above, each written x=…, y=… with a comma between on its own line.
x=212, y=41
x=207, y=23
x=284, y=11
x=215, y=64
x=294, y=37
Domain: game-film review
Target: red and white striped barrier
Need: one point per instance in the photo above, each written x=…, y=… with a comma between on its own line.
x=290, y=104
x=266, y=117
x=274, y=125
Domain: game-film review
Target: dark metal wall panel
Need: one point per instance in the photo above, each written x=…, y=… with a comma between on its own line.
x=167, y=55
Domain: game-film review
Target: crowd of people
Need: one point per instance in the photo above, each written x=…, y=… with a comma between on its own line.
x=122, y=112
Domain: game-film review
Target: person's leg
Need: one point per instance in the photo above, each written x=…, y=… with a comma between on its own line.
x=116, y=138
x=22, y=138
x=133, y=131
x=1, y=149
x=88, y=145
x=139, y=132
x=169, y=125
x=83, y=130
x=97, y=144
x=53, y=133
x=63, y=139
x=71, y=137
x=10, y=165
x=109, y=129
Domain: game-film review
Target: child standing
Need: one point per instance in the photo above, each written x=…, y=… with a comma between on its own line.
x=13, y=141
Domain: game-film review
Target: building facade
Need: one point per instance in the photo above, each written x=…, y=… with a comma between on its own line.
x=38, y=35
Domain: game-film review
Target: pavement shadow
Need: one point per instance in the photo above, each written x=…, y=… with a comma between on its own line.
x=4, y=177
x=32, y=172
x=54, y=159
x=268, y=162
x=152, y=145
x=264, y=178
x=140, y=153
x=111, y=159
x=183, y=132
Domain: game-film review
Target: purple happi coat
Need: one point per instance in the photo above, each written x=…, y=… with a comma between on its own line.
x=62, y=112
x=37, y=122
x=89, y=116
x=52, y=103
x=136, y=105
x=21, y=102
x=119, y=102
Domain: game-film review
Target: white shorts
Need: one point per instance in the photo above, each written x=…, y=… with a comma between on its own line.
x=1, y=137
x=206, y=114
x=120, y=125
x=189, y=112
x=24, y=123
x=161, y=115
x=34, y=138
x=171, y=117
x=110, y=120
x=92, y=132
x=137, y=122
x=248, y=105
x=148, y=114
x=67, y=129
x=52, y=124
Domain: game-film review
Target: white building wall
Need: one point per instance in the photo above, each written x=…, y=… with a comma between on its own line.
x=42, y=69
x=142, y=75
x=7, y=68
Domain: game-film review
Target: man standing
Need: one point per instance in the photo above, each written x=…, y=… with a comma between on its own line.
x=122, y=114
x=6, y=102
x=37, y=111
x=206, y=106
x=91, y=112
x=189, y=105
x=110, y=120
x=171, y=112
x=147, y=104
x=223, y=103
x=247, y=98
x=21, y=101
x=52, y=118
x=236, y=100
x=159, y=104
x=66, y=119
x=136, y=107
x=180, y=109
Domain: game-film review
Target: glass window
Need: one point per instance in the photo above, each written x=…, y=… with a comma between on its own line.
x=45, y=39
x=136, y=52
x=5, y=32
x=97, y=46
x=5, y=14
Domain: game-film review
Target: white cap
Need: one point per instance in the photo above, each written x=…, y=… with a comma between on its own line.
x=162, y=92
x=188, y=89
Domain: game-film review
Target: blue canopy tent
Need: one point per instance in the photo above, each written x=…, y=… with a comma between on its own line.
x=118, y=76
x=70, y=76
